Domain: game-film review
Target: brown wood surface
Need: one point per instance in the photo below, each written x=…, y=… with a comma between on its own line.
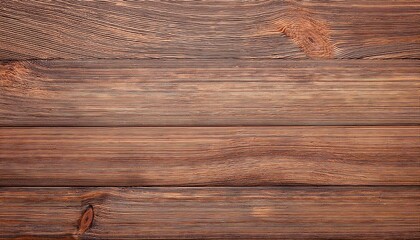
x=212, y=213
x=35, y=29
x=225, y=156
x=211, y=119
x=209, y=93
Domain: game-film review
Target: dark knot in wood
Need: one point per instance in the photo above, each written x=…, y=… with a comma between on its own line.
x=86, y=220
x=307, y=31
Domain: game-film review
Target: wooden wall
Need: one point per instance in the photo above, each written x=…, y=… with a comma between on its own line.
x=267, y=119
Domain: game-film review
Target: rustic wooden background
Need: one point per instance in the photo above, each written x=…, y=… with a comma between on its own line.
x=280, y=119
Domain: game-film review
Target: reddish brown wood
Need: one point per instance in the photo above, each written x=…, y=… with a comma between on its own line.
x=220, y=156
x=209, y=29
x=322, y=96
x=214, y=213
x=209, y=93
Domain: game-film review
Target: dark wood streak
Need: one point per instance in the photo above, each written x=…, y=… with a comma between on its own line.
x=209, y=93
x=209, y=29
x=215, y=213
x=55, y=237
x=234, y=156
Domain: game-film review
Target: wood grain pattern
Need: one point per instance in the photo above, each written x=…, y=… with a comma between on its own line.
x=210, y=119
x=209, y=93
x=209, y=156
x=209, y=29
x=213, y=213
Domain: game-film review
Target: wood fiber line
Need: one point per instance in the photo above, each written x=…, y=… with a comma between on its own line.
x=209, y=29
x=209, y=93
x=213, y=213
x=240, y=156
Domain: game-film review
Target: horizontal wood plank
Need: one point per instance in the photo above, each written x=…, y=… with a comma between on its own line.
x=73, y=29
x=209, y=93
x=211, y=213
x=221, y=156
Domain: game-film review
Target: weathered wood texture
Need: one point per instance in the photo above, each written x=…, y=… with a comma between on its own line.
x=209, y=156
x=209, y=93
x=212, y=213
x=266, y=119
x=209, y=29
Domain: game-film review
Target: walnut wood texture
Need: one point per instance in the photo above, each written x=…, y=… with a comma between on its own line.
x=212, y=213
x=209, y=29
x=209, y=156
x=211, y=119
x=209, y=93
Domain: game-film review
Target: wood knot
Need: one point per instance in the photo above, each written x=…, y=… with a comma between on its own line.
x=16, y=78
x=10, y=72
x=86, y=220
x=23, y=79
x=308, y=32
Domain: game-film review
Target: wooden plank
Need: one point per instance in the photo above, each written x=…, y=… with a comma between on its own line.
x=209, y=93
x=36, y=29
x=212, y=213
x=209, y=156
